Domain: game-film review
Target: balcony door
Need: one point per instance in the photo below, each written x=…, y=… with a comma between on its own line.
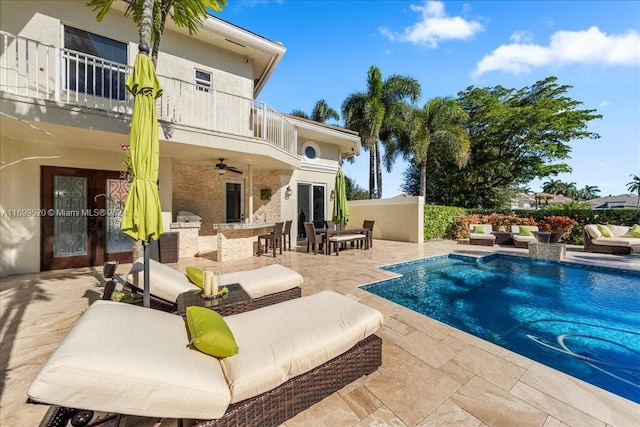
x=311, y=206
x=81, y=227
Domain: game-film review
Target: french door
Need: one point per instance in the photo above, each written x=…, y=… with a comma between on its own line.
x=81, y=226
x=311, y=206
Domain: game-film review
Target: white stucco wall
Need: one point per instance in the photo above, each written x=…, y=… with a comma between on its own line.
x=399, y=218
x=20, y=186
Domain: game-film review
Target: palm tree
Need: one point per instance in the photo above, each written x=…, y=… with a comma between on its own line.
x=634, y=187
x=555, y=186
x=588, y=192
x=437, y=126
x=321, y=112
x=151, y=15
x=373, y=113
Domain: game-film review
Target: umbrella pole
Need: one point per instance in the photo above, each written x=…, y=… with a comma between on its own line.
x=146, y=299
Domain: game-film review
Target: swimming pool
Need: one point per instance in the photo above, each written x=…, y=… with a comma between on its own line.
x=584, y=321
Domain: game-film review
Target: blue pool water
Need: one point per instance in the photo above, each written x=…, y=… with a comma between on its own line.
x=583, y=321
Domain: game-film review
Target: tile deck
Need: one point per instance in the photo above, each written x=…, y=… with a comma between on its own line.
x=431, y=374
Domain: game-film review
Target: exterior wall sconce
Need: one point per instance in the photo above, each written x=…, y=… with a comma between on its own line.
x=288, y=192
x=332, y=195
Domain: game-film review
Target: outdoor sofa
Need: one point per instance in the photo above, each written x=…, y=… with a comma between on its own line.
x=125, y=359
x=265, y=285
x=620, y=242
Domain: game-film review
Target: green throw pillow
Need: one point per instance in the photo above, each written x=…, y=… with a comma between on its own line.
x=210, y=333
x=196, y=276
x=478, y=229
x=635, y=230
x=525, y=230
x=604, y=230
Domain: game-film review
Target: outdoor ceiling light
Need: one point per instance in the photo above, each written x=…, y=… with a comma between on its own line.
x=221, y=171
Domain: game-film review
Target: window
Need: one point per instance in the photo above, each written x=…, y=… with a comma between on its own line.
x=310, y=150
x=101, y=67
x=203, y=80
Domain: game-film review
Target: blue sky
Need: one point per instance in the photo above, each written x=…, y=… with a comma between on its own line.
x=448, y=46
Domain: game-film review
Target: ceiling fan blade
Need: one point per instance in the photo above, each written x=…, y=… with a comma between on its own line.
x=234, y=170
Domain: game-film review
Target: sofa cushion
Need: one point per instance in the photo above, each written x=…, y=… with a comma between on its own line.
x=605, y=231
x=284, y=340
x=264, y=280
x=157, y=374
x=521, y=238
x=593, y=231
x=635, y=230
x=481, y=228
x=619, y=230
x=210, y=333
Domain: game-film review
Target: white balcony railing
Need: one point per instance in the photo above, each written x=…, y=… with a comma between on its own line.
x=39, y=71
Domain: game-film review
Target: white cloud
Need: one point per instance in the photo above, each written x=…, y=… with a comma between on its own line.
x=521, y=37
x=604, y=103
x=565, y=47
x=434, y=26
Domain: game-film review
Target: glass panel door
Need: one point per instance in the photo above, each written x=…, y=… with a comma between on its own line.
x=233, y=201
x=311, y=206
x=116, y=191
x=69, y=220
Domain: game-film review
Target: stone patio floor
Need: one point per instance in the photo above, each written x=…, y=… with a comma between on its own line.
x=431, y=374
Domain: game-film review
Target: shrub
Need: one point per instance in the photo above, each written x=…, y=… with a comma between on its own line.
x=558, y=223
x=438, y=220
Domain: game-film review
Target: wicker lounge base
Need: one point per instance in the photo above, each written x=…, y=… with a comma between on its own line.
x=285, y=401
x=589, y=246
x=227, y=309
x=521, y=245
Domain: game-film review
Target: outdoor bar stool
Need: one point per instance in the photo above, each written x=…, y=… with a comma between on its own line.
x=271, y=237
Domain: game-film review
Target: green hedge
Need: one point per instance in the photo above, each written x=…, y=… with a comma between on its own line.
x=438, y=221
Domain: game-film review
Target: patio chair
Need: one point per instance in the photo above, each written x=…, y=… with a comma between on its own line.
x=286, y=234
x=273, y=238
x=265, y=285
x=292, y=355
x=368, y=225
x=314, y=239
x=480, y=234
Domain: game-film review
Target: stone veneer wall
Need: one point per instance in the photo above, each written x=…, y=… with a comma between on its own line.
x=200, y=190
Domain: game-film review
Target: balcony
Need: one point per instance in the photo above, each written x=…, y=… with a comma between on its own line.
x=43, y=72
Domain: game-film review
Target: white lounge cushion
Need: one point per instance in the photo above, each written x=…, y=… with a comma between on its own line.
x=164, y=281
x=619, y=230
x=519, y=238
x=617, y=241
x=127, y=359
x=264, y=280
x=593, y=231
x=284, y=340
x=167, y=283
x=483, y=236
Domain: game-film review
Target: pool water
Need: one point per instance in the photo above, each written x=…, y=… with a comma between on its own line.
x=583, y=321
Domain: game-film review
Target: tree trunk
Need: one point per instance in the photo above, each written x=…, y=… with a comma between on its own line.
x=423, y=179
x=378, y=171
x=372, y=165
x=146, y=23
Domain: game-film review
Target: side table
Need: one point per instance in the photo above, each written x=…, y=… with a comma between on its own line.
x=235, y=301
x=503, y=238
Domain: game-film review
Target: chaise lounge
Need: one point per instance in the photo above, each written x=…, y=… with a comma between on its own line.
x=522, y=235
x=265, y=285
x=480, y=234
x=291, y=355
x=619, y=240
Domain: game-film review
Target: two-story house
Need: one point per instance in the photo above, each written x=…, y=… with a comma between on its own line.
x=64, y=131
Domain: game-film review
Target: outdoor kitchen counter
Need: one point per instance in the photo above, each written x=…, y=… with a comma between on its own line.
x=234, y=230
x=238, y=240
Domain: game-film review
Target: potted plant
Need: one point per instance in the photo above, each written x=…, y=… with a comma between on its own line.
x=559, y=226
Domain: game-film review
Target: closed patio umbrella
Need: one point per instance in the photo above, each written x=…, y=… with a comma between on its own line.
x=142, y=215
x=340, y=209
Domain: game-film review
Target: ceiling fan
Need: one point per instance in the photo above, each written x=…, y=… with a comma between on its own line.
x=222, y=168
